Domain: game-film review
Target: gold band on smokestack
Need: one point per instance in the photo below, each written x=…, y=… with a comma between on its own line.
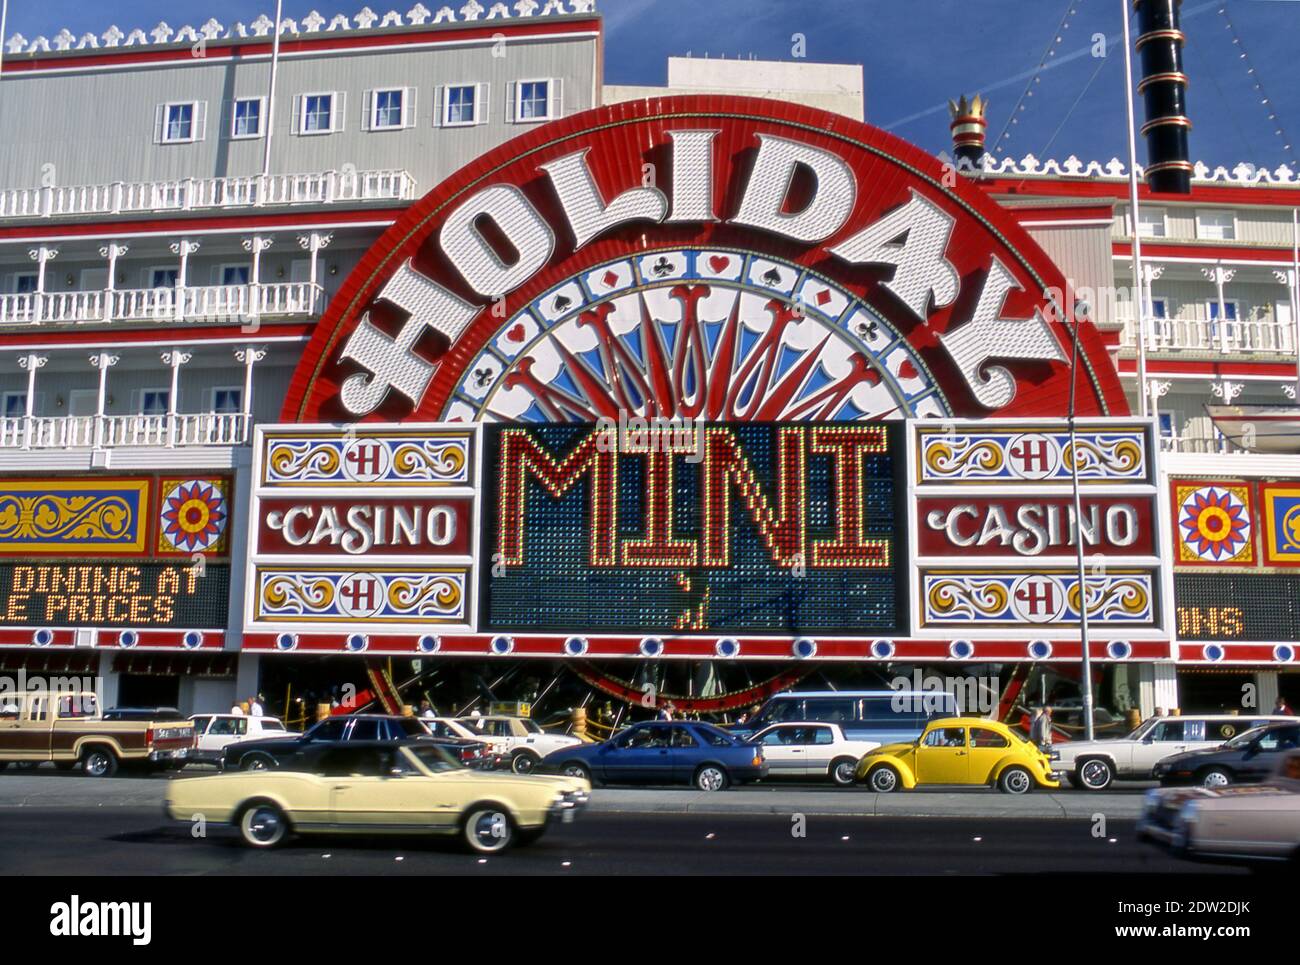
x=969, y=127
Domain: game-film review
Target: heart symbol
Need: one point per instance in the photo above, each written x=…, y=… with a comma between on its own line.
x=516, y=333
x=907, y=370
x=719, y=263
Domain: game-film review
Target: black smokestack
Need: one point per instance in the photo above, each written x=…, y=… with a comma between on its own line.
x=1164, y=89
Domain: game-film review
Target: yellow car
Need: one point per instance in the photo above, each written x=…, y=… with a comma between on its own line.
x=410, y=788
x=959, y=750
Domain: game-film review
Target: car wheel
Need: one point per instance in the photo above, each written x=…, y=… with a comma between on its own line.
x=843, y=771
x=1015, y=780
x=884, y=779
x=1215, y=777
x=524, y=762
x=98, y=762
x=576, y=769
x=487, y=829
x=256, y=762
x=263, y=825
x=711, y=777
x=1095, y=774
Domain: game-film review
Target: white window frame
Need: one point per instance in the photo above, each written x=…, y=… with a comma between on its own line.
x=212, y=397
x=221, y=274
x=152, y=269
x=198, y=122
x=137, y=401
x=261, y=118
x=370, y=110
x=443, y=115
x=1233, y=304
x=1160, y=300
x=18, y=276
x=4, y=404
x=554, y=103
x=338, y=111
x=1200, y=223
x=1164, y=221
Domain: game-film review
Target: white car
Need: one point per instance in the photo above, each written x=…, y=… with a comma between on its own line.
x=1095, y=764
x=452, y=728
x=214, y=732
x=521, y=740
x=811, y=749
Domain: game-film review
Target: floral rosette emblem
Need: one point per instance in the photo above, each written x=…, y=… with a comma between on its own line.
x=193, y=517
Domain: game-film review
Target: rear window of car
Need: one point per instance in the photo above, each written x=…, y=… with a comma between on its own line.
x=713, y=736
x=407, y=727
x=272, y=725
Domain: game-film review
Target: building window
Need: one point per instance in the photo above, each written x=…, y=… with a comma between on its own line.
x=389, y=110
x=1216, y=225
x=1229, y=310
x=228, y=401
x=1166, y=424
x=15, y=405
x=164, y=277
x=155, y=402
x=537, y=100
x=25, y=284
x=318, y=113
x=463, y=105
x=180, y=123
x=235, y=274
x=246, y=118
x=1159, y=308
x=1152, y=223
x=1282, y=312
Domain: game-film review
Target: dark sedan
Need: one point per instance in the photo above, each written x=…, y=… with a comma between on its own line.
x=295, y=753
x=664, y=752
x=1248, y=758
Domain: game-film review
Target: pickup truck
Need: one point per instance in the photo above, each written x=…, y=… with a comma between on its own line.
x=70, y=729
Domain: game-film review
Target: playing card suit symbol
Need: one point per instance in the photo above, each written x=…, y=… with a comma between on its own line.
x=610, y=278
x=719, y=263
x=560, y=303
x=907, y=370
x=516, y=332
x=771, y=277
x=823, y=297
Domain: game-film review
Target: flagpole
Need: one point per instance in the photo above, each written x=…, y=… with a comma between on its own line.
x=1135, y=235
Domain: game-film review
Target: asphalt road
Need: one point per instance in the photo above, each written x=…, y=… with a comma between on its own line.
x=134, y=840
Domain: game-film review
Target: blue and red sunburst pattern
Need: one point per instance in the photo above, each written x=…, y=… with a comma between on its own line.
x=193, y=516
x=1214, y=524
x=713, y=334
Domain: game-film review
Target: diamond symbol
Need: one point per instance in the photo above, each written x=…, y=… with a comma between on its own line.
x=610, y=278
x=823, y=296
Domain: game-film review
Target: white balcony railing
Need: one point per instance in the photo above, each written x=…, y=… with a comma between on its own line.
x=194, y=194
x=208, y=303
x=115, y=431
x=1206, y=335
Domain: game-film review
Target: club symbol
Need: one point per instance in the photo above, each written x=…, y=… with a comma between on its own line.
x=662, y=267
x=482, y=377
x=867, y=330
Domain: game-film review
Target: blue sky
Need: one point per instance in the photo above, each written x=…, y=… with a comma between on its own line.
x=916, y=54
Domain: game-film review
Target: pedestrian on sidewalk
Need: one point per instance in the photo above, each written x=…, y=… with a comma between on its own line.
x=1040, y=729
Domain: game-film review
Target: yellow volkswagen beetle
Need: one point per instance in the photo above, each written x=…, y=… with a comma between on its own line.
x=414, y=787
x=959, y=750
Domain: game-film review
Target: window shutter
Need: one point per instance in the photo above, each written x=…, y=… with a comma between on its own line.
x=200, y=130
x=159, y=120
x=296, y=120
x=556, y=90
x=226, y=119
x=338, y=110
x=367, y=110
x=481, y=104
x=408, y=107
x=512, y=105
x=439, y=108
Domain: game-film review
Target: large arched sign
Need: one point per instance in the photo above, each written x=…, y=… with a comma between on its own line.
x=716, y=257
x=779, y=283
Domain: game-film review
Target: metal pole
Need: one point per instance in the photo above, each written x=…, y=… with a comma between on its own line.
x=1135, y=236
x=1086, y=683
x=4, y=18
x=270, y=93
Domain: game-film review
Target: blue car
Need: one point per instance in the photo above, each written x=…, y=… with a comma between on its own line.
x=664, y=752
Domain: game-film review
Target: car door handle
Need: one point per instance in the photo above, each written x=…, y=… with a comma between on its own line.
x=960, y=754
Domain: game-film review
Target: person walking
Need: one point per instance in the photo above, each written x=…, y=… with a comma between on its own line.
x=1040, y=729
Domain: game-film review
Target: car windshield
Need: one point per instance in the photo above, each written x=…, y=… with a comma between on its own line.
x=433, y=758
x=1245, y=738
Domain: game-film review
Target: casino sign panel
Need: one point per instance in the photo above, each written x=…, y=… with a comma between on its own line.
x=629, y=313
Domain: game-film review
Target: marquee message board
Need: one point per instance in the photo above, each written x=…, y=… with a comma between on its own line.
x=726, y=528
